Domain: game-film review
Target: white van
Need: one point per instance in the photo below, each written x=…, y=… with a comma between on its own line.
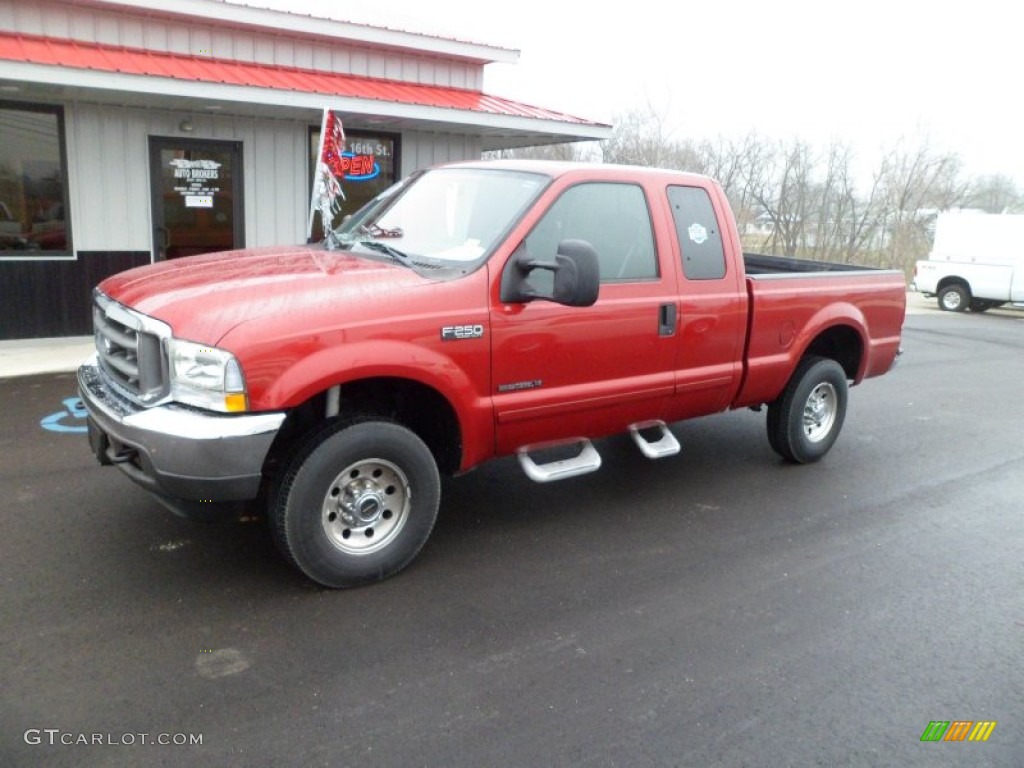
x=977, y=261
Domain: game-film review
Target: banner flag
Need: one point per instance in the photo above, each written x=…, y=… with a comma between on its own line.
x=327, y=193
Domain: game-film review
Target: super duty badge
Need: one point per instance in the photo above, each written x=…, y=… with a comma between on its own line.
x=458, y=332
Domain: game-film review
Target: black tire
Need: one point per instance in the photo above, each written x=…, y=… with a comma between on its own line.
x=805, y=421
x=357, y=503
x=981, y=305
x=954, y=298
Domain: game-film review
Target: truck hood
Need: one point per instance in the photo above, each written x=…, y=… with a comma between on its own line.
x=204, y=297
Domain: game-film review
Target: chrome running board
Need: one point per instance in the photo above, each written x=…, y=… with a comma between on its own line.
x=666, y=445
x=588, y=460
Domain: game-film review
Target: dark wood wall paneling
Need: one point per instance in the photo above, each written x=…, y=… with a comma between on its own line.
x=46, y=298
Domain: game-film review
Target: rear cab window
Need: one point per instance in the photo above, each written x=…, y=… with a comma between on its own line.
x=698, y=233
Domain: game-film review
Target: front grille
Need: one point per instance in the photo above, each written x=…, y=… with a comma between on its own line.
x=129, y=349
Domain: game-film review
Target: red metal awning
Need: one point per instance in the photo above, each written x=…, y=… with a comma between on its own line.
x=73, y=54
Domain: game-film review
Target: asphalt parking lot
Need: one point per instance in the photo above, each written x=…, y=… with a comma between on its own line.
x=715, y=608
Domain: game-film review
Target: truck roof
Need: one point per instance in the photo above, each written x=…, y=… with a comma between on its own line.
x=558, y=168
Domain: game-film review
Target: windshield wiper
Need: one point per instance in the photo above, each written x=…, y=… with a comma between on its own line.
x=394, y=253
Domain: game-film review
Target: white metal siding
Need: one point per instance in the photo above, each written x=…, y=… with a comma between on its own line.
x=107, y=179
x=108, y=174
x=108, y=171
x=98, y=25
x=422, y=150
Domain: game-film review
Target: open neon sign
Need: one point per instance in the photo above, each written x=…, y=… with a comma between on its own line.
x=359, y=167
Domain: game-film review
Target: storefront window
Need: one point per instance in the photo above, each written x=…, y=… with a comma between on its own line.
x=33, y=187
x=372, y=167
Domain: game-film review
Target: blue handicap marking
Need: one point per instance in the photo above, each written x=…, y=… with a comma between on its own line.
x=65, y=421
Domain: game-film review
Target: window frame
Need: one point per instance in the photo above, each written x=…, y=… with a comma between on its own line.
x=657, y=276
x=350, y=136
x=681, y=243
x=68, y=252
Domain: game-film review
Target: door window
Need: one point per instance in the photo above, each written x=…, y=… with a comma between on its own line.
x=613, y=218
x=196, y=197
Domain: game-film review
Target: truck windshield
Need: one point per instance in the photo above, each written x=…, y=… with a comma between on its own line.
x=452, y=216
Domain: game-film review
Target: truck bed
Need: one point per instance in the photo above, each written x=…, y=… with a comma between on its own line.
x=789, y=296
x=760, y=265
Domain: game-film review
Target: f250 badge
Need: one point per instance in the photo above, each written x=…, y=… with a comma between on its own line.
x=459, y=332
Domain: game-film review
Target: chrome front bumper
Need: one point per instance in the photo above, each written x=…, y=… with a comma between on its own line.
x=176, y=451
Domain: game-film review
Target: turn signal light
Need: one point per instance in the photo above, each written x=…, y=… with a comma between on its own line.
x=236, y=402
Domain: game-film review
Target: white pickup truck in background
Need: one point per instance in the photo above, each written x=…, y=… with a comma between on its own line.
x=976, y=263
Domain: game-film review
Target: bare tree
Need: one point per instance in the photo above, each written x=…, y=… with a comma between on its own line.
x=916, y=183
x=640, y=137
x=730, y=162
x=864, y=213
x=995, y=194
x=842, y=220
x=781, y=184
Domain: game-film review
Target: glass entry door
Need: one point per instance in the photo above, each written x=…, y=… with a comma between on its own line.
x=197, y=196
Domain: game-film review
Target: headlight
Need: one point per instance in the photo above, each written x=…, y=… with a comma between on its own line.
x=207, y=377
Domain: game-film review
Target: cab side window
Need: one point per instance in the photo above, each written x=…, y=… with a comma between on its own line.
x=613, y=218
x=700, y=240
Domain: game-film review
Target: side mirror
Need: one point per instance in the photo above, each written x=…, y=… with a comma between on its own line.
x=576, y=281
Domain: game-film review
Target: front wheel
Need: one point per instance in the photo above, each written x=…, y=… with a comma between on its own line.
x=357, y=504
x=805, y=421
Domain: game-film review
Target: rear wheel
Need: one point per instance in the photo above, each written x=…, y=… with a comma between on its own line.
x=805, y=421
x=773, y=428
x=981, y=305
x=954, y=298
x=357, y=504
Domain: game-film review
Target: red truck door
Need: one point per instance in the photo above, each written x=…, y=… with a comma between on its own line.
x=560, y=372
x=712, y=303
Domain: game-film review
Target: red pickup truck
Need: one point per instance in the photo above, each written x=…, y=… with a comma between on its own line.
x=471, y=311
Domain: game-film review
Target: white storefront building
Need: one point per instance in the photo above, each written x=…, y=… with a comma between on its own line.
x=137, y=131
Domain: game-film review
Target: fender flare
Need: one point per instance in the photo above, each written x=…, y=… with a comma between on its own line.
x=351, y=362
x=835, y=315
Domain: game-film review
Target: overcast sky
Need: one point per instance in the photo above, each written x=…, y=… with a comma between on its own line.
x=867, y=72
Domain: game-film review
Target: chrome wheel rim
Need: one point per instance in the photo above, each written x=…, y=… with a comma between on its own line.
x=366, y=506
x=951, y=300
x=820, y=412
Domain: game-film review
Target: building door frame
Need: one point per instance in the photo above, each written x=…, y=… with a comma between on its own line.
x=162, y=191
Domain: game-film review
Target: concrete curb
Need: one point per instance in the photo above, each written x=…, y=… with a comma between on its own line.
x=28, y=357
